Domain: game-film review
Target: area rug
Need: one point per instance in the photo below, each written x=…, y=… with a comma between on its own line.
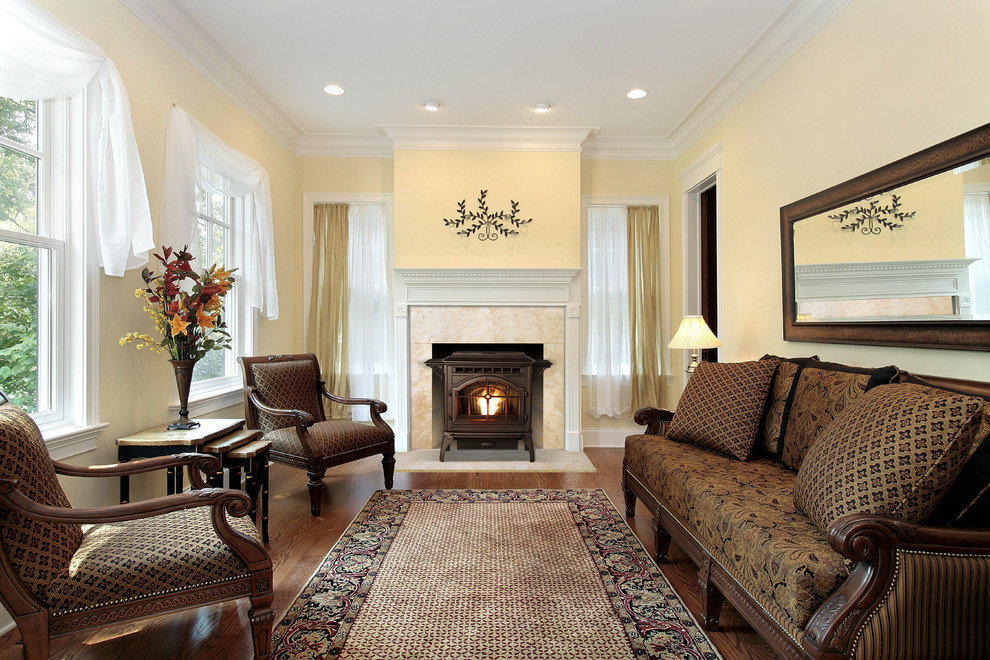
x=489, y=574
x=493, y=460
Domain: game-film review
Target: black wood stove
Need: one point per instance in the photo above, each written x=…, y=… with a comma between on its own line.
x=488, y=399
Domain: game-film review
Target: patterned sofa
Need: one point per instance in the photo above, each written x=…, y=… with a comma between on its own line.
x=844, y=512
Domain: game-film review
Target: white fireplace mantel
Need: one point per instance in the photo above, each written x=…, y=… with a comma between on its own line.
x=489, y=288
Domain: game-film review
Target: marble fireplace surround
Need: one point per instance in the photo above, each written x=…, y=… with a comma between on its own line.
x=514, y=306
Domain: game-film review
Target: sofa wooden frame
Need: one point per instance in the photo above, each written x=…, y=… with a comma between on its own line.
x=875, y=543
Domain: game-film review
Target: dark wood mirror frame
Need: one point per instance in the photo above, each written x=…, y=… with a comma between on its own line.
x=966, y=335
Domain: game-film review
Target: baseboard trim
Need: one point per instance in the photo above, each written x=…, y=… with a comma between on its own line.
x=608, y=437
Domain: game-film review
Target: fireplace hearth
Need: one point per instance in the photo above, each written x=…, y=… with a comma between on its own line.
x=488, y=399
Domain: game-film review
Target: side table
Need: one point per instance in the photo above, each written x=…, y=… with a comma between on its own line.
x=244, y=451
x=159, y=441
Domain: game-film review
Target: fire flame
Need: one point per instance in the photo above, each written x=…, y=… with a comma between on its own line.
x=489, y=405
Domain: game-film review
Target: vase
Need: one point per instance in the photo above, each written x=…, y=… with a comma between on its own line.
x=183, y=380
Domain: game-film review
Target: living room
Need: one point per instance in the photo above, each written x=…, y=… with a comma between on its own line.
x=856, y=84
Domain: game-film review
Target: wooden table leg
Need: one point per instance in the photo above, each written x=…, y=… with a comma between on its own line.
x=125, y=481
x=264, y=497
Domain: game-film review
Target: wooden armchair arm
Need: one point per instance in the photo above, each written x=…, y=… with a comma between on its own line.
x=377, y=407
x=899, y=565
x=302, y=418
x=223, y=502
x=655, y=420
x=198, y=465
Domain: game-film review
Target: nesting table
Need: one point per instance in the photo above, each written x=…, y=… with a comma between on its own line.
x=240, y=450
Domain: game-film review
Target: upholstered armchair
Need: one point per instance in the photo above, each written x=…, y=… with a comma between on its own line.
x=63, y=570
x=283, y=397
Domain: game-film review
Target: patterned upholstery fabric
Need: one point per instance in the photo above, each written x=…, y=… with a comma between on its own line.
x=910, y=624
x=38, y=550
x=770, y=438
x=128, y=560
x=290, y=385
x=893, y=452
x=744, y=516
x=722, y=406
x=967, y=502
x=822, y=391
x=329, y=438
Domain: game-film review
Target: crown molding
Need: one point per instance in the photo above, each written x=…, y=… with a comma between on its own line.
x=628, y=148
x=344, y=146
x=796, y=26
x=487, y=138
x=170, y=22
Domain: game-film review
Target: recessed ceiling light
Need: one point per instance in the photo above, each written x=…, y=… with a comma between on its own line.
x=333, y=90
x=541, y=107
x=432, y=106
x=636, y=93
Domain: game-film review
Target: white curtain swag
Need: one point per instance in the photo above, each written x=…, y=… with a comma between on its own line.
x=189, y=148
x=42, y=59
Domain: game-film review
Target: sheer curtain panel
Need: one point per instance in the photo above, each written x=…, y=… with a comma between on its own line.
x=190, y=151
x=329, y=302
x=607, y=360
x=645, y=322
x=976, y=212
x=369, y=335
x=42, y=59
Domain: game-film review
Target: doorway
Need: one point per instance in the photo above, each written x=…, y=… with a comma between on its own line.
x=708, y=225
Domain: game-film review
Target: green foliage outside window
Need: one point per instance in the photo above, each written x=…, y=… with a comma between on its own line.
x=18, y=263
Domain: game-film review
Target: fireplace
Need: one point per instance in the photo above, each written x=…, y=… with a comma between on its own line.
x=487, y=398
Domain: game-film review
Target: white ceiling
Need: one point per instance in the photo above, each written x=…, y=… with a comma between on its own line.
x=487, y=62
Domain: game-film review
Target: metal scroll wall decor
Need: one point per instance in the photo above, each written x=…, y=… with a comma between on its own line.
x=873, y=218
x=487, y=225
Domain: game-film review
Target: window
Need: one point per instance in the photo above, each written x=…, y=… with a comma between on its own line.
x=625, y=243
x=221, y=240
x=44, y=277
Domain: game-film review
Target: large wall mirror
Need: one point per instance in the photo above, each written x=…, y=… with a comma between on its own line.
x=899, y=256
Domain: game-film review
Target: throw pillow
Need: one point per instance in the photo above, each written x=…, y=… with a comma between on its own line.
x=967, y=502
x=893, y=452
x=779, y=404
x=722, y=406
x=821, y=391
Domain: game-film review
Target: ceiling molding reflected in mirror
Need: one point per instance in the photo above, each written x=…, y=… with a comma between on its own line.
x=888, y=258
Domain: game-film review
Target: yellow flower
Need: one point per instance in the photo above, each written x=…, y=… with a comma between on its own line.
x=204, y=320
x=178, y=325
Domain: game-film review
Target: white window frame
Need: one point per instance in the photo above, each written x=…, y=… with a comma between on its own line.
x=662, y=202
x=70, y=426
x=218, y=393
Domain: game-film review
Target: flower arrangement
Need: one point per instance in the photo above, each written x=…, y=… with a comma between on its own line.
x=186, y=307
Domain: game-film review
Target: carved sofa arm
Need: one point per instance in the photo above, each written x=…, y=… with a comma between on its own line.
x=655, y=420
x=915, y=592
x=199, y=464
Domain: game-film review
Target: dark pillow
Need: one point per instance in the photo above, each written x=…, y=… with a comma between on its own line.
x=779, y=403
x=893, y=452
x=822, y=390
x=722, y=406
x=967, y=502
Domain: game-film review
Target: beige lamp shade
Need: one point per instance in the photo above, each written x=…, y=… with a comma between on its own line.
x=693, y=334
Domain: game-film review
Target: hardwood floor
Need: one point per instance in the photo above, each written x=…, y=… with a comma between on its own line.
x=299, y=542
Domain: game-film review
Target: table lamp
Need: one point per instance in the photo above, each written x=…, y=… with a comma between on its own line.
x=693, y=334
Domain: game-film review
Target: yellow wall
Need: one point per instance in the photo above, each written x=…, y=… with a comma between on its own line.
x=921, y=65
x=136, y=387
x=344, y=175
x=429, y=185
x=935, y=231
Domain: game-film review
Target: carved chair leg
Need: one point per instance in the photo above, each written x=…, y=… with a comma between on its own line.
x=711, y=597
x=388, y=466
x=315, y=490
x=630, y=501
x=661, y=541
x=34, y=635
x=261, y=627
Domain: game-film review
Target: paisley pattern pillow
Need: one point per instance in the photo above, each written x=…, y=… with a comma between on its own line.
x=779, y=404
x=822, y=391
